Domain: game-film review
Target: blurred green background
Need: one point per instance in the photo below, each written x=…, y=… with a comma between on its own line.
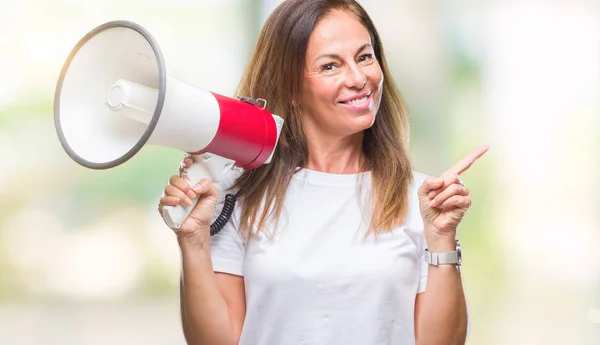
x=85, y=258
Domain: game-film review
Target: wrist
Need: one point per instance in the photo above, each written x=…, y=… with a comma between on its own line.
x=198, y=241
x=442, y=255
x=437, y=242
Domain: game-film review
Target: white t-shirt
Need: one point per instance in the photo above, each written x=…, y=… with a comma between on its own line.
x=318, y=280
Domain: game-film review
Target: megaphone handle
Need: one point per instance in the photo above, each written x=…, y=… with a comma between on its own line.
x=205, y=165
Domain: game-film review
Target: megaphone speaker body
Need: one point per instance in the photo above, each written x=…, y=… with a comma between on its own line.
x=114, y=96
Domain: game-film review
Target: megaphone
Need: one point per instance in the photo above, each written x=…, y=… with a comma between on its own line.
x=114, y=96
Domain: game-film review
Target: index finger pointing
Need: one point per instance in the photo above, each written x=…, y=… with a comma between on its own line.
x=466, y=162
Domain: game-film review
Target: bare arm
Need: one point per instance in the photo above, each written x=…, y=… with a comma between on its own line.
x=441, y=311
x=213, y=305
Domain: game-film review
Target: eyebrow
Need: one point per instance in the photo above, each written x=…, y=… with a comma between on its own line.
x=336, y=56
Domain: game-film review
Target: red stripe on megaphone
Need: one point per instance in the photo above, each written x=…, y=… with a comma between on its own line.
x=247, y=133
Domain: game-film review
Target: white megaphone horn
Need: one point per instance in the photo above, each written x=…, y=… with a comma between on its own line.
x=114, y=96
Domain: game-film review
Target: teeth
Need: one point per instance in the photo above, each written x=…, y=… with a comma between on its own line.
x=358, y=101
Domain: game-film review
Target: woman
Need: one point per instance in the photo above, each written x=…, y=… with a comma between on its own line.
x=327, y=244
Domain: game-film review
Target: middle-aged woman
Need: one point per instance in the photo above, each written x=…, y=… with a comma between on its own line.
x=337, y=240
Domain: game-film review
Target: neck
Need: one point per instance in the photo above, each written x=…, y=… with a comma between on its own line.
x=342, y=155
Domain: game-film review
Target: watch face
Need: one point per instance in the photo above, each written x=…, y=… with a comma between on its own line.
x=458, y=252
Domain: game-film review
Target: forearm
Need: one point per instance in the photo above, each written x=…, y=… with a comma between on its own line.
x=204, y=312
x=442, y=318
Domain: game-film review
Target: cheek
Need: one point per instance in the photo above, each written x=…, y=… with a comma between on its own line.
x=377, y=76
x=323, y=92
x=378, y=80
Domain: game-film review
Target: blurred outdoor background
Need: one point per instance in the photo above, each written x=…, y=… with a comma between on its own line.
x=85, y=258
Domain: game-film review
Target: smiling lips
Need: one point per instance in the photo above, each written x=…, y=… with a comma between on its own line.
x=358, y=102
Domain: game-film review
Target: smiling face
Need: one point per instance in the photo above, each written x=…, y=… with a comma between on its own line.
x=342, y=82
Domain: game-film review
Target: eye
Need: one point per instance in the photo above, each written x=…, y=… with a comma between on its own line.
x=328, y=67
x=366, y=57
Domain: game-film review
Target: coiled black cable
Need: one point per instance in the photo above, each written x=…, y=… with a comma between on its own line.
x=227, y=211
x=224, y=216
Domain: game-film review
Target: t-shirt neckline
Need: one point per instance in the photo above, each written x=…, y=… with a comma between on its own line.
x=325, y=178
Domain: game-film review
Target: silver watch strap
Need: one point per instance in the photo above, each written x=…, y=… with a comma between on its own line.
x=442, y=258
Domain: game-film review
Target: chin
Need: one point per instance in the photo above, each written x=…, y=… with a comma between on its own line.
x=367, y=120
x=360, y=124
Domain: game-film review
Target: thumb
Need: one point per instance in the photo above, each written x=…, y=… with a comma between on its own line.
x=431, y=183
x=206, y=189
x=207, y=194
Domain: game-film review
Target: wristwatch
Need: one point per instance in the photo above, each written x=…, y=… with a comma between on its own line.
x=445, y=258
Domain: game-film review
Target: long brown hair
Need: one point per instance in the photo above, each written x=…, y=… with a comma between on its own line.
x=275, y=73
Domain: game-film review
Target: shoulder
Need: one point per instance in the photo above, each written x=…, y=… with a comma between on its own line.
x=414, y=221
x=418, y=178
x=224, y=187
x=227, y=181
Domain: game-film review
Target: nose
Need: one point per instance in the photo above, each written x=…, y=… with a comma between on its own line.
x=356, y=78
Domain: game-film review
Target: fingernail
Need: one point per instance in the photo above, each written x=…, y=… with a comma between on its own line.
x=432, y=203
x=188, y=202
x=191, y=194
x=199, y=187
